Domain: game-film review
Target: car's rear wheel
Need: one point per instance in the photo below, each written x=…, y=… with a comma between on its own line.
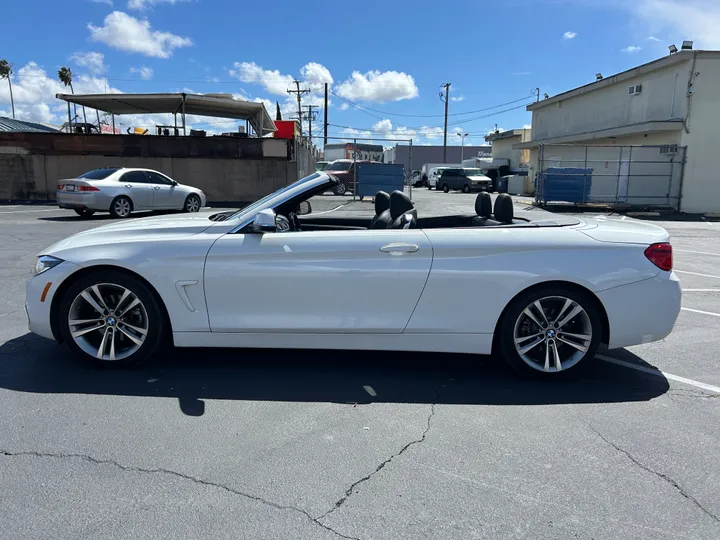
x=550, y=331
x=121, y=207
x=111, y=319
x=84, y=212
x=192, y=204
x=445, y=188
x=466, y=189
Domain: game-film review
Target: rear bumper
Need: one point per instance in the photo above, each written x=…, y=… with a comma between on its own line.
x=90, y=200
x=642, y=312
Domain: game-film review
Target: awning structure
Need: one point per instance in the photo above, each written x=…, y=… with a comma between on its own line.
x=215, y=105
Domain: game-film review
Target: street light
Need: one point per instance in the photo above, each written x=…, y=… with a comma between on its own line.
x=462, y=148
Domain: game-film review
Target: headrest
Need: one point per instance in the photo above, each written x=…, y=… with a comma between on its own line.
x=382, y=202
x=504, y=208
x=399, y=204
x=483, y=204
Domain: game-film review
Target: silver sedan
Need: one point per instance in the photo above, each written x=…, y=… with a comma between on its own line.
x=120, y=191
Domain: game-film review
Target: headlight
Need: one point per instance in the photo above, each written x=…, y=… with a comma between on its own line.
x=45, y=263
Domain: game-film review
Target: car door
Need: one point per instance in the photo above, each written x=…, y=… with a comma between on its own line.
x=366, y=281
x=167, y=195
x=136, y=185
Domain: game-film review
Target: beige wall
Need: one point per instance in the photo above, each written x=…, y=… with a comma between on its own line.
x=701, y=185
x=34, y=177
x=503, y=148
x=662, y=98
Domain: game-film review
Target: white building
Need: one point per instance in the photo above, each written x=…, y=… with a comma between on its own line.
x=503, y=146
x=674, y=100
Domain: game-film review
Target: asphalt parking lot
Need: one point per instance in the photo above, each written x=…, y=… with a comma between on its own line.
x=259, y=444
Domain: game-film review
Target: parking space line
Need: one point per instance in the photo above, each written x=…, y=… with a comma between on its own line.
x=701, y=312
x=701, y=290
x=693, y=251
x=696, y=274
x=658, y=373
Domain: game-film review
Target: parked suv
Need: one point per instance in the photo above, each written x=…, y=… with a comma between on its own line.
x=466, y=180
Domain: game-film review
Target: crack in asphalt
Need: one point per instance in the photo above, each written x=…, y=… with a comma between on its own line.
x=663, y=476
x=128, y=468
x=349, y=491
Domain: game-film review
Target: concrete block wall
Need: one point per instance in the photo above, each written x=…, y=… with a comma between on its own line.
x=35, y=177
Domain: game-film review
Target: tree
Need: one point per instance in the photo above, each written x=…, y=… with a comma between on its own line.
x=278, y=115
x=5, y=72
x=65, y=76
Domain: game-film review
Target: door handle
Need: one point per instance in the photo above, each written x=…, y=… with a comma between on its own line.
x=156, y=187
x=128, y=186
x=397, y=248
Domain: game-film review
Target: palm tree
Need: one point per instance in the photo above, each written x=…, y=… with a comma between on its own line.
x=65, y=76
x=5, y=72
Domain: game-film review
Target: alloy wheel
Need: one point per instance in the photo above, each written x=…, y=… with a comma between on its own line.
x=552, y=334
x=108, y=321
x=192, y=204
x=122, y=207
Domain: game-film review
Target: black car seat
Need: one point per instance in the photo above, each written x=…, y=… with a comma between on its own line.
x=483, y=209
x=400, y=204
x=504, y=209
x=382, y=211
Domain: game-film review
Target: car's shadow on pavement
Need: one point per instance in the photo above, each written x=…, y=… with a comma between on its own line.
x=72, y=216
x=33, y=364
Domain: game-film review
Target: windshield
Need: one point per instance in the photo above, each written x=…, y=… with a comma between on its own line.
x=99, y=174
x=474, y=172
x=280, y=191
x=339, y=166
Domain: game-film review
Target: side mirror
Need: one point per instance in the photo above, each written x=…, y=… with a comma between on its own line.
x=174, y=183
x=303, y=208
x=264, y=221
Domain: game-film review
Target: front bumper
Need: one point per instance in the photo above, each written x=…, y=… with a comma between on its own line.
x=643, y=311
x=37, y=307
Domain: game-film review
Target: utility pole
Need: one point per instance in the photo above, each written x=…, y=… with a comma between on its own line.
x=299, y=99
x=447, y=99
x=310, y=117
x=326, y=120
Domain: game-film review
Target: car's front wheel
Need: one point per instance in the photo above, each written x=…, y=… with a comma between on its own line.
x=111, y=319
x=341, y=189
x=549, y=331
x=445, y=188
x=192, y=204
x=84, y=212
x=466, y=189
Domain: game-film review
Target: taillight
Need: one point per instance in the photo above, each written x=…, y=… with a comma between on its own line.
x=87, y=188
x=60, y=187
x=660, y=255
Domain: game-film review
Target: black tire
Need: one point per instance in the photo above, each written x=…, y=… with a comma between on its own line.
x=445, y=188
x=466, y=189
x=118, y=207
x=505, y=337
x=84, y=212
x=192, y=203
x=341, y=189
x=157, y=325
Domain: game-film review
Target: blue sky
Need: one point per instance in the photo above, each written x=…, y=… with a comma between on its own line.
x=388, y=58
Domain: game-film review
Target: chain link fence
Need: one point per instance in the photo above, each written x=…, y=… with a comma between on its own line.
x=629, y=176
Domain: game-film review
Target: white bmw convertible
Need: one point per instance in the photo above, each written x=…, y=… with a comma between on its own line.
x=540, y=293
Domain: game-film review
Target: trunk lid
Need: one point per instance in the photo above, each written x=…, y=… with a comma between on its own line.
x=623, y=231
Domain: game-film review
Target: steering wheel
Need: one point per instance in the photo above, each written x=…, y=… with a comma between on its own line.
x=294, y=222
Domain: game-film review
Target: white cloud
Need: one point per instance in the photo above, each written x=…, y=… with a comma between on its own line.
x=521, y=73
x=378, y=86
x=631, y=49
x=457, y=98
x=125, y=32
x=272, y=80
x=141, y=5
x=569, y=35
x=93, y=61
x=694, y=19
x=106, y=2
x=652, y=38
x=145, y=72
x=344, y=106
x=383, y=125
x=315, y=76
x=527, y=126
